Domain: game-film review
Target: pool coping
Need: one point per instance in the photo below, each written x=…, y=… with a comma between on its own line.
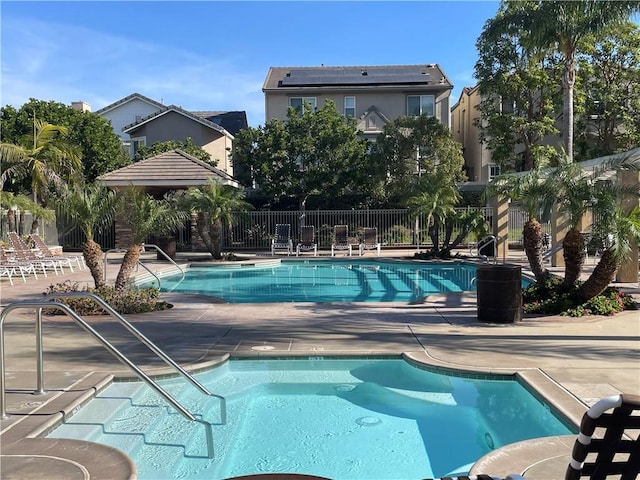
x=25, y=438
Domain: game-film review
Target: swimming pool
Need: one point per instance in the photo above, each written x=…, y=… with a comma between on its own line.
x=325, y=281
x=357, y=419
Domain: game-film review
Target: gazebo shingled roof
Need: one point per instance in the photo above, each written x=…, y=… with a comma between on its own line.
x=174, y=169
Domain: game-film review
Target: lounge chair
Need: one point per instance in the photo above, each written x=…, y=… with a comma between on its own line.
x=11, y=266
x=45, y=252
x=307, y=240
x=616, y=450
x=25, y=255
x=282, y=239
x=340, y=239
x=370, y=240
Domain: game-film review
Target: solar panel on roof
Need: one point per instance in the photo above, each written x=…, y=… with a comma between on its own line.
x=356, y=76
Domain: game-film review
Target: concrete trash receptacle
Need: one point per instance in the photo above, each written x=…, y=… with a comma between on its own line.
x=499, y=293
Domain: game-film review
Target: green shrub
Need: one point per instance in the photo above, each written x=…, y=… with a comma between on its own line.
x=552, y=299
x=126, y=301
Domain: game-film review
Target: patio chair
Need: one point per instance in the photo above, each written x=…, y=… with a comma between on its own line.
x=615, y=421
x=45, y=252
x=11, y=266
x=24, y=254
x=370, y=241
x=282, y=239
x=340, y=239
x=307, y=240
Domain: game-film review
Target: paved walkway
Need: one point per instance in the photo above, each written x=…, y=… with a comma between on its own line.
x=572, y=361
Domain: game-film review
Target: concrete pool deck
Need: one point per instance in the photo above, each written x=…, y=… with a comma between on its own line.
x=571, y=361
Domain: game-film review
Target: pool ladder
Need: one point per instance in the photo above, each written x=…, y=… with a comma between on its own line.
x=39, y=305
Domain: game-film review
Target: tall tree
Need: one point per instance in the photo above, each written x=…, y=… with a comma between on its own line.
x=519, y=95
x=310, y=153
x=560, y=26
x=607, y=100
x=215, y=206
x=43, y=158
x=91, y=207
x=100, y=148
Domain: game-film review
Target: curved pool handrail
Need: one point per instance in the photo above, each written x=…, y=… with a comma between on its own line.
x=39, y=305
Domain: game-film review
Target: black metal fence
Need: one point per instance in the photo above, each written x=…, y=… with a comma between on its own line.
x=253, y=231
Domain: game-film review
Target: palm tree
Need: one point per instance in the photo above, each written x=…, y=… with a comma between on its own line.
x=573, y=188
x=91, y=207
x=561, y=25
x=533, y=194
x=437, y=200
x=144, y=215
x=13, y=203
x=215, y=205
x=43, y=157
x=619, y=232
x=578, y=187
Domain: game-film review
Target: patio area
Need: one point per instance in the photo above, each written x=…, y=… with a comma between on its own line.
x=572, y=362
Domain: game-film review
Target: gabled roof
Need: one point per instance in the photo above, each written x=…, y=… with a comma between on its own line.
x=172, y=169
x=133, y=96
x=363, y=123
x=375, y=110
x=279, y=78
x=173, y=108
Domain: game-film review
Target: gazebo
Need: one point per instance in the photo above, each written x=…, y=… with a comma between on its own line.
x=172, y=170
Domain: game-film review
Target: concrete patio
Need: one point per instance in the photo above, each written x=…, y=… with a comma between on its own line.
x=572, y=362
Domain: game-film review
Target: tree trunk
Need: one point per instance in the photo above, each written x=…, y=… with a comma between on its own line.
x=11, y=220
x=568, y=81
x=573, y=257
x=532, y=235
x=216, y=238
x=34, y=225
x=128, y=264
x=601, y=277
x=93, y=257
x=204, y=229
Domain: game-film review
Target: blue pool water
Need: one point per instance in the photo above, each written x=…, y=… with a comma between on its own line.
x=357, y=419
x=325, y=281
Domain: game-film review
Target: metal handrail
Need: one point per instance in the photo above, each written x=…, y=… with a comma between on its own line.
x=144, y=245
x=490, y=239
x=137, y=333
x=113, y=350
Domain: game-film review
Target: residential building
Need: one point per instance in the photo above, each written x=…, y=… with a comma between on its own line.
x=373, y=95
x=126, y=111
x=477, y=157
x=142, y=121
x=175, y=123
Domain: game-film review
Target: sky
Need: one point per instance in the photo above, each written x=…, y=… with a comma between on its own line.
x=215, y=55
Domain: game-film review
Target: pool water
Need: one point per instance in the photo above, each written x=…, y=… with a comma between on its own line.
x=368, y=419
x=325, y=281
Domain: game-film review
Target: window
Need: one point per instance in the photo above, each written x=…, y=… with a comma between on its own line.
x=137, y=143
x=507, y=105
x=350, y=107
x=298, y=103
x=420, y=105
x=494, y=171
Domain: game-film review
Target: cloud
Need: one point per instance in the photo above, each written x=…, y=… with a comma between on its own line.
x=65, y=63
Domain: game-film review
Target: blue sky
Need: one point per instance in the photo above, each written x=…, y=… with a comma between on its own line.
x=215, y=55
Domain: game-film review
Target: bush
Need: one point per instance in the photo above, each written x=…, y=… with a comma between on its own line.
x=551, y=298
x=126, y=301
